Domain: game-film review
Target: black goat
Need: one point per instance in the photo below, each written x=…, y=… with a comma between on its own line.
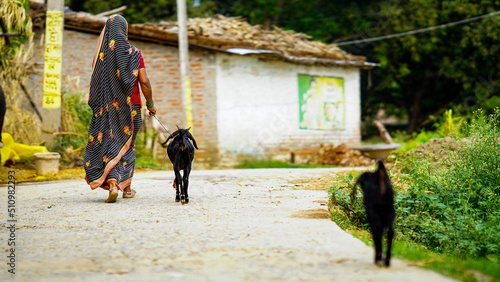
x=181, y=154
x=378, y=198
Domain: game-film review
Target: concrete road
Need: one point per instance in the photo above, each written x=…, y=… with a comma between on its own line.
x=241, y=225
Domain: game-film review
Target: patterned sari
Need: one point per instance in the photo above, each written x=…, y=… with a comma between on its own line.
x=110, y=152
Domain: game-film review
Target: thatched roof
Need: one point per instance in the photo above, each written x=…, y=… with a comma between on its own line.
x=225, y=34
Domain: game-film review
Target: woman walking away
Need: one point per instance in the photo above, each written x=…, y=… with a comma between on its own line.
x=109, y=158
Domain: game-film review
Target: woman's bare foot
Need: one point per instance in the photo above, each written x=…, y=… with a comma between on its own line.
x=128, y=193
x=113, y=193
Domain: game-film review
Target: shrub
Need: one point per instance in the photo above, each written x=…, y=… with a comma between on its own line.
x=144, y=155
x=75, y=119
x=411, y=142
x=454, y=207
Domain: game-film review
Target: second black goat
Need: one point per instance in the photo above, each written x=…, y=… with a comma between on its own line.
x=378, y=198
x=181, y=153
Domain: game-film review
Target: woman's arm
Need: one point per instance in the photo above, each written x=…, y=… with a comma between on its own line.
x=146, y=89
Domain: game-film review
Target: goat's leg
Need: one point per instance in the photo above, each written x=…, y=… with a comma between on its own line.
x=377, y=231
x=178, y=185
x=186, y=184
x=183, y=190
x=377, y=239
x=390, y=235
x=177, y=195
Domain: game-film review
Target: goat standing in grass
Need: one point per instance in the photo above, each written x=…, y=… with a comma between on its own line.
x=181, y=154
x=378, y=198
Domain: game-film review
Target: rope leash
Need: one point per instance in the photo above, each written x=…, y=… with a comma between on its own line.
x=166, y=131
x=164, y=128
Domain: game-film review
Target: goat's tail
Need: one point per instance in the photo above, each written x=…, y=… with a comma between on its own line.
x=383, y=178
x=381, y=166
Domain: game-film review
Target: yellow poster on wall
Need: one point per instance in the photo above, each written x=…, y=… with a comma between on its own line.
x=189, y=104
x=53, y=60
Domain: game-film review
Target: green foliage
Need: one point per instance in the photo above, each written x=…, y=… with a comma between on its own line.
x=454, y=207
x=342, y=196
x=144, y=156
x=449, y=125
x=420, y=74
x=462, y=269
x=446, y=125
x=78, y=111
x=13, y=15
x=75, y=119
x=409, y=142
x=425, y=72
x=144, y=11
x=148, y=163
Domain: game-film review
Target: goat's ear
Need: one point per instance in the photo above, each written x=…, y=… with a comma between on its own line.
x=169, y=137
x=192, y=138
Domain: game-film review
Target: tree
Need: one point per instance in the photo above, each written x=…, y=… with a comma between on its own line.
x=143, y=11
x=420, y=75
x=429, y=72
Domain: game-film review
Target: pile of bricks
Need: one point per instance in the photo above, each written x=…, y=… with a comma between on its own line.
x=340, y=155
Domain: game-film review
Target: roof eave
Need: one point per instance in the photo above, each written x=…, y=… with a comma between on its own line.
x=94, y=24
x=301, y=60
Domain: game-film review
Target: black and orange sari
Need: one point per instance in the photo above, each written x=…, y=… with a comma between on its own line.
x=110, y=152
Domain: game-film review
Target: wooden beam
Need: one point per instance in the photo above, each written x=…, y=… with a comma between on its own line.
x=31, y=101
x=383, y=132
x=10, y=34
x=4, y=29
x=114, y=11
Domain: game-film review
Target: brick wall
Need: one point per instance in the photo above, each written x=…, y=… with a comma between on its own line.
x=242, y=106
x=162, y=65
x=78, y=53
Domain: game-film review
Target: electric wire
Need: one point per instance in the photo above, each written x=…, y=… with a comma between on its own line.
x=417, y=30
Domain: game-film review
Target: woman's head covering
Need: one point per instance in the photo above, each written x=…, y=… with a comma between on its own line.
x=115, y=57
x=114, y=72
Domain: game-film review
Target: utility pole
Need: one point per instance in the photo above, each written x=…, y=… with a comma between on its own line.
x=187, y=105
x=52, y=74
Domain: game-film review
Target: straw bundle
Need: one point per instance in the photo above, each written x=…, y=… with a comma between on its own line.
x=16, y=59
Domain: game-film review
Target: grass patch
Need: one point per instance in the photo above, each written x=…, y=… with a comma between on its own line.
x=449, y=205
x=144, y=155
x=447, y=209
x=276, y=164
x=460, y=268
x=145, y=162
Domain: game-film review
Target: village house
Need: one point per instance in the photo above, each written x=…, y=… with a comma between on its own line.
x=255, y=92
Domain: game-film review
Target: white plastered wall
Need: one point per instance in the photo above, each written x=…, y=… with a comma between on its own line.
x=258, y=105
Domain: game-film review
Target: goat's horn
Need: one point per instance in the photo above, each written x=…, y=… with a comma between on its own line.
x=188, y=129
x=177, y=126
